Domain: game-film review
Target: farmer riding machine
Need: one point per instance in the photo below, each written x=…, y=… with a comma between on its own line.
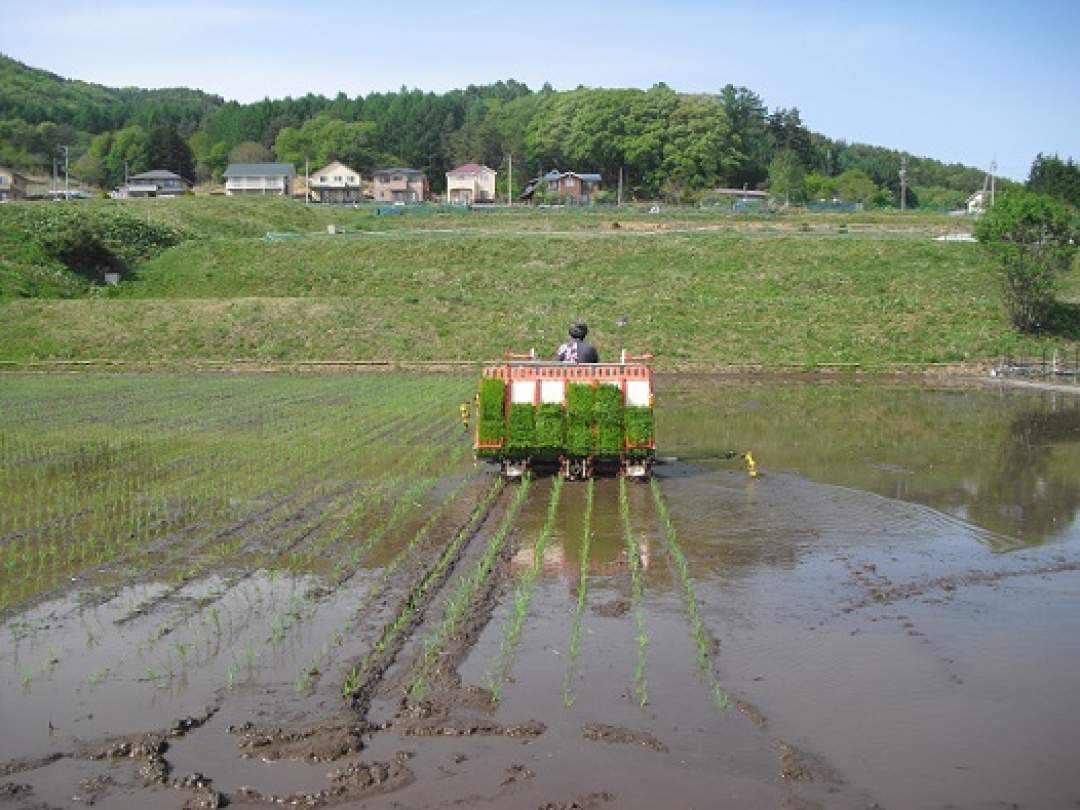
x=579, y=420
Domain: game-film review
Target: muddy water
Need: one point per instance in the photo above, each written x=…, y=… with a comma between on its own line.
x=900, y=592
x=887, y=615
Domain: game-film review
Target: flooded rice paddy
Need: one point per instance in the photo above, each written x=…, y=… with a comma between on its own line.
x=301, y=590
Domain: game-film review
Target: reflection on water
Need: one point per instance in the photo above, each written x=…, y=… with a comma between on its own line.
x=1007, y=461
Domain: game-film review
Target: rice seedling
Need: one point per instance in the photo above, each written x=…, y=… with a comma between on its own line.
x=523, y=593
x=461, y=598
x=636, y=585
x=582, y=594
x=698, y=632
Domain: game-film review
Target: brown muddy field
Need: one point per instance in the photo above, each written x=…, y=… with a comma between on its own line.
x=886, y=617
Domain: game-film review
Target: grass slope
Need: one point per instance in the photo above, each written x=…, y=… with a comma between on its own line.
x=755, y=294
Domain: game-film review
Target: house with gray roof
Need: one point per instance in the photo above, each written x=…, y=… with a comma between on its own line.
x=259, y=178
x=156, y=183
x=574, y=186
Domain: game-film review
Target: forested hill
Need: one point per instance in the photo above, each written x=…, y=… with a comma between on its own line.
x=34, y=97
x=667, y=143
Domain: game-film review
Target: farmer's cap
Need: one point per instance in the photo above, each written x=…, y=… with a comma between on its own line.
x=578, y=330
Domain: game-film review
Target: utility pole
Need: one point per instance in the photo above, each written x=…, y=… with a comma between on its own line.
x=618, y=199
x=54, y=178
x=126, y=181
x=510, y=184
x=993, y=171
x=903, y=184
x=66, y=197
x=307, y=180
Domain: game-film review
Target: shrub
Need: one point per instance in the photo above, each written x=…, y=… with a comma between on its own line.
x=579, y=418
x=93, y=239
x=608, y=412
x=1032, y=238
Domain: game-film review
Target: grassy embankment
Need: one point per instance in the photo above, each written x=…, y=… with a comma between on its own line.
x=792, y=290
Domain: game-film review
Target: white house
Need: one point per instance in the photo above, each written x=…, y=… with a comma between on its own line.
x=259, y=178
x=469, y=183
x=978, y=202
x=335, y=183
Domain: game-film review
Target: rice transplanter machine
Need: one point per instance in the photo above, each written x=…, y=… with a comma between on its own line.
x=579, y=420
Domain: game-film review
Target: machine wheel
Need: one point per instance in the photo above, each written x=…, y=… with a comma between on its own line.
x=514, y=470
x=576, y=469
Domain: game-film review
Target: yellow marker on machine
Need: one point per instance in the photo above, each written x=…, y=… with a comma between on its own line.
x=751, y=465
x=463, y=409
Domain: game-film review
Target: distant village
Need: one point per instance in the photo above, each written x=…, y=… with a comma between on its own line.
x=468, y=184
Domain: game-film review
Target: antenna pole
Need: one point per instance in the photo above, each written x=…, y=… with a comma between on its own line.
x=903, y=183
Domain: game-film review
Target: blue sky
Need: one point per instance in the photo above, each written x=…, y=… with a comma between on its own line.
x=959, y=81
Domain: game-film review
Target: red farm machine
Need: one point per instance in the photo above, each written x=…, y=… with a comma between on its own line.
x=578, y=420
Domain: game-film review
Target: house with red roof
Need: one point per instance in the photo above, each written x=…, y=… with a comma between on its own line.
x=470, y=183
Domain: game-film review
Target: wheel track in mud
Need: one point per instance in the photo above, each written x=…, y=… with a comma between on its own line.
x=524, y=588
x=362, y=683
x=468, y=607
x=403, y=557
x=633, y=560
x=706, y=644
x=574, y=646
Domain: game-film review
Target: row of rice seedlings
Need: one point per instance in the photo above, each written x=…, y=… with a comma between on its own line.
x=435, y=451
x=582, y=594
x=287, y=621
x=376, y=589
x=405, y=504
x=697, y=627
x=136, y=487
x=217, y=555
x=523, y=594
x=283, y=621
x=636, y=586
x=418, y=594
x=462, y=597
x=334, y=464
x=214, y=557
x=291, y=538
x=76, y=551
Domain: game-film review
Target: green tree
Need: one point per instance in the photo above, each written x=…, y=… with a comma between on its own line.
x=855, y=185
x=820, y=187
x=747, y=138
x=786, y=176
x=167, y=150
x=250, y=152
x=1032, y=238
x=1059, y=178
